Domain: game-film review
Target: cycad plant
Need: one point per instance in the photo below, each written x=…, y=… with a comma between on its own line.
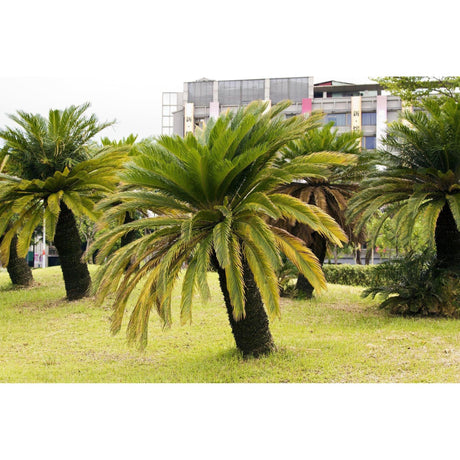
x=54, y=176
x=18, y=268
x=209, y=198
x=333, y=154
x=415, y=285
x=419, y=177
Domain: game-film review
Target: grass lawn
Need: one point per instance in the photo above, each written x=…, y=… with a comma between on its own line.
x=337, y=337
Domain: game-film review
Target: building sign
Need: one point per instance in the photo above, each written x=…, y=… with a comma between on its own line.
x=356, y=114
x=189, y=121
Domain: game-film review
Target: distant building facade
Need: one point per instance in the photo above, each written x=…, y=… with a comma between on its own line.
x=350, y=106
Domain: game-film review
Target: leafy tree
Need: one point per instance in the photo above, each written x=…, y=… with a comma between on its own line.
x=333, y=153
x=412, y=89
x=420, y=177
x=55, y=175
x=211, y=195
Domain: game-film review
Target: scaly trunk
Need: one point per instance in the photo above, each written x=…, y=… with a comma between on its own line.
x=18, y=268
x=447, y=239
x=77, y=279
x=252, y=334
x=128, y=237
x=358, y=255
x=369, y=252
x=318, y=246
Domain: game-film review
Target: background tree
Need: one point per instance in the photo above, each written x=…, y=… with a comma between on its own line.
x=333, y=153
x=211, y=195
x=55, y=175
x=413, y=89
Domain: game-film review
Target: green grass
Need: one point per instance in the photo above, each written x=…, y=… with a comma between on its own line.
x=337, y=337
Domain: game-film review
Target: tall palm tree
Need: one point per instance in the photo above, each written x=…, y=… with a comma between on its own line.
x=419, y=176
x=330, y=192
x=18, y=269
x=210, y=195
x=55, y=176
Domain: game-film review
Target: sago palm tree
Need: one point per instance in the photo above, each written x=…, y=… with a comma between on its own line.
x=133, y=146
x=18, y=269
x=55, y=176
x=419, y=177
x=211, y=195
x=334, y=153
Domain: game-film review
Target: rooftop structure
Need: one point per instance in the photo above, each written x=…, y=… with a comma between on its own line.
x=350, y=106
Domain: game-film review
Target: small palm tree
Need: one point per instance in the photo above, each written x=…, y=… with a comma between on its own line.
x=18, y=268
x=419, y=177
x=333, y=153
x=55, y=176
x=211, y=195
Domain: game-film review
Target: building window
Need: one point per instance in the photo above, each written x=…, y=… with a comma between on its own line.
x=369, y=142
x=339, y=119
x=279, y=90
x=252, y=90
x=200, y=93
x=298, y=89
x=230, y=92
x=294, y=89
x=369, y=119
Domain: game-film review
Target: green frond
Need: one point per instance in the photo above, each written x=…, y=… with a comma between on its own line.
x=264, y=276
x=221, y=241
x=255, y=230
x=234, y=278
x=25, y=234
x=302, y=257
x=454, y=204
x=313, y=216
x=203, y=255
x=54, y=201
x=188, y=286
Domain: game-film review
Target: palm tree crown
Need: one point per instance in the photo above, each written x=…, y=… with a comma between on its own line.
x=211, y=195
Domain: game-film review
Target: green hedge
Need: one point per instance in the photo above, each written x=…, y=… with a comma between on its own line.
x=349, y=275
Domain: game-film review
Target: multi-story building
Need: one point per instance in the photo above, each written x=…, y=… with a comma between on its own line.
x=350, y=106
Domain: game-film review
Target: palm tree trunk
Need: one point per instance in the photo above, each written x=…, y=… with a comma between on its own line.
x=447, y=239
x=318, y=246
x=18, y=268
x=252, y=333
x=77, y=279
x=128, y=237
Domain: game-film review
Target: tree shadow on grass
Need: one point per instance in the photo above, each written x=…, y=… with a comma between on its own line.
x=14, y=287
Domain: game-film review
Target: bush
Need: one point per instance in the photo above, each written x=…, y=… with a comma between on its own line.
x=415, y=285
x=349, y=275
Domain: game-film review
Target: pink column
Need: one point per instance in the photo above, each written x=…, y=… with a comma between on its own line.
x=306, y=105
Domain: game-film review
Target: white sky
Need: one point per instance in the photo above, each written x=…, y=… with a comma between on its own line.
x=121, y=56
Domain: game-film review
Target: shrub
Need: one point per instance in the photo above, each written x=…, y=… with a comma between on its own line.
x=349, y=275
x=415, y=285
